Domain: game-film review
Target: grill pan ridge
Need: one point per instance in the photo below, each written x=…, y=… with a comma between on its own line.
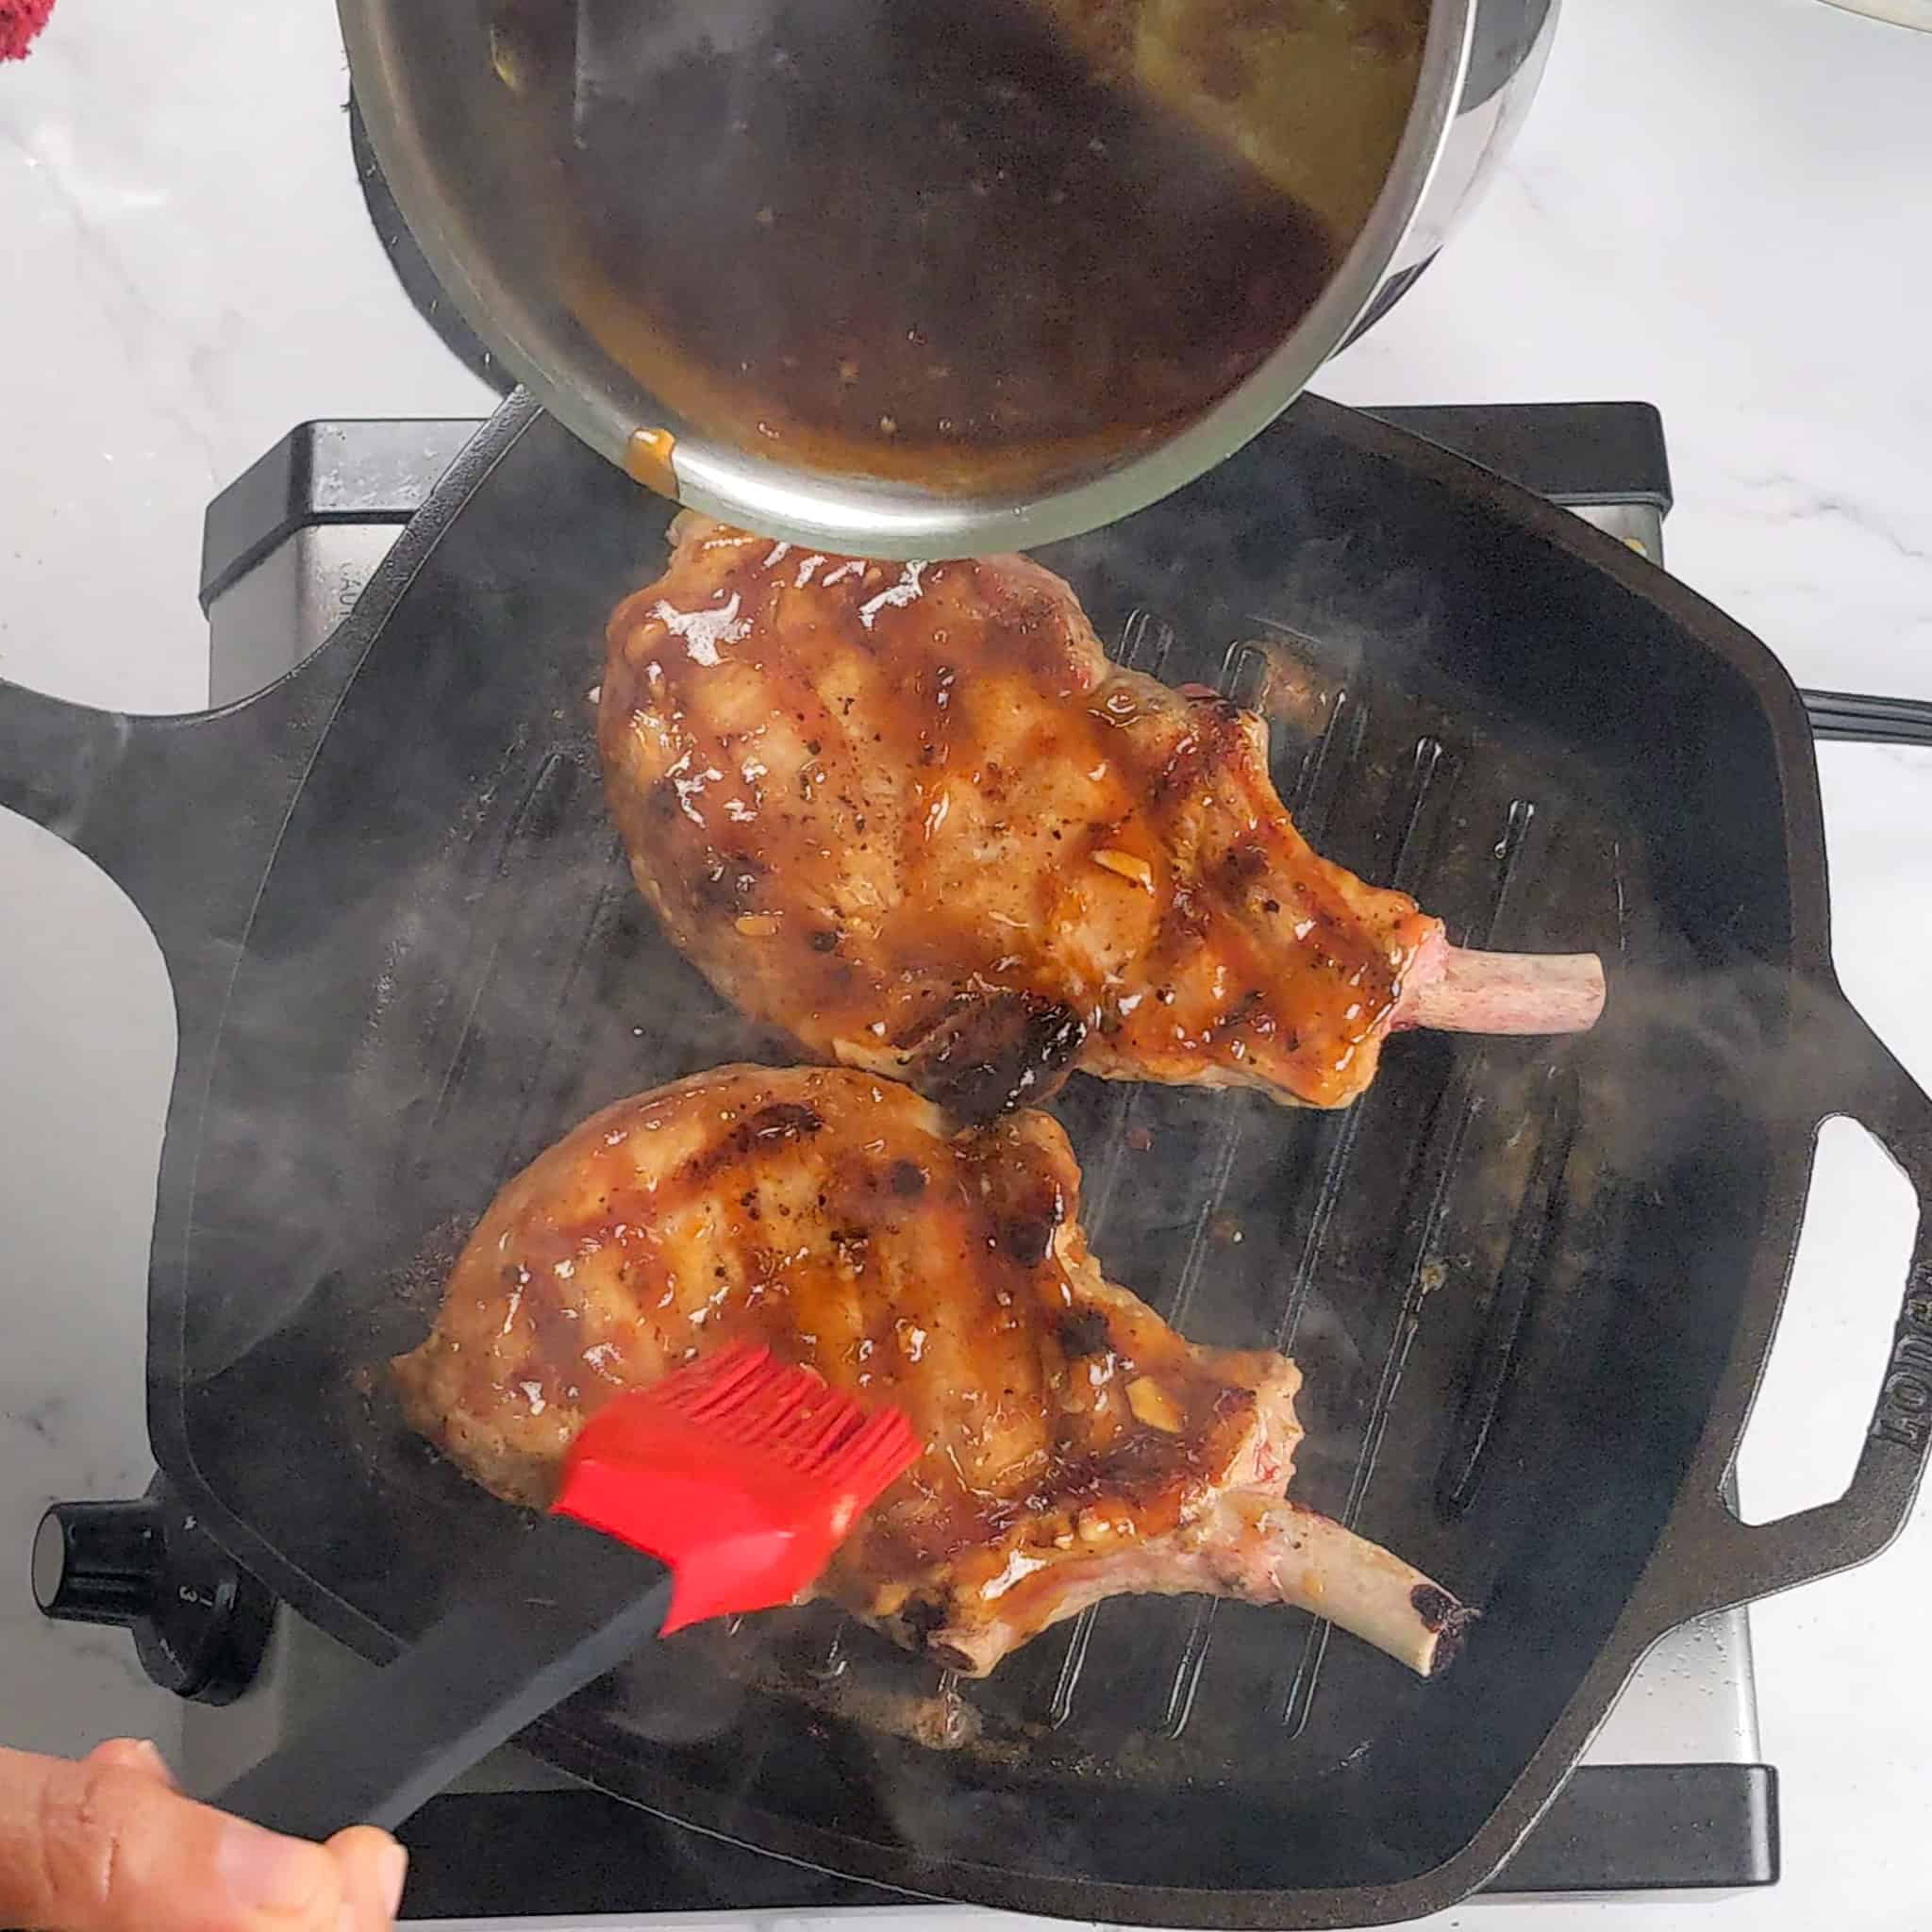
x=1531, y=1287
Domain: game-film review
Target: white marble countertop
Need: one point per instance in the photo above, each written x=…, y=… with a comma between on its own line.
x=1719, y=207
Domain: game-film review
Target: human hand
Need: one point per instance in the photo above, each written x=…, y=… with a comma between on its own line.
x=110, y=1846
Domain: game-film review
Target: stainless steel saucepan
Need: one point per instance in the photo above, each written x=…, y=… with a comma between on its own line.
x=483, y=110
x=439, y=86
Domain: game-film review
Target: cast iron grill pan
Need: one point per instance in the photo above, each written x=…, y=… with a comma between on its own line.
x=1531, y=1287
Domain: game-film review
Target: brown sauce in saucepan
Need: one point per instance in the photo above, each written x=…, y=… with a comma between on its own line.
x=922, y=237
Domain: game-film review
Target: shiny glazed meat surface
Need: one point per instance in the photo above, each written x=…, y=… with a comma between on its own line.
x=879, y=803
x=836, y=1217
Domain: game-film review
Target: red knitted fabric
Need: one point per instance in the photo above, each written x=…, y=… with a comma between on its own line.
x=20, y=20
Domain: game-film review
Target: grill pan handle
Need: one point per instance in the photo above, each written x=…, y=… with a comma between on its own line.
x=181, y=812
x=184, y=812
x=1710, y=1560
x=61, y=765
x=1854, y=718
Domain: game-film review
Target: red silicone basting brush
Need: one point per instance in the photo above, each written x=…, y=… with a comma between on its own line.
x=741, y=1475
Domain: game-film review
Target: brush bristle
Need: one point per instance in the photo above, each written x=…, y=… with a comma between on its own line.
x=743, y=1398
x=741, y=1474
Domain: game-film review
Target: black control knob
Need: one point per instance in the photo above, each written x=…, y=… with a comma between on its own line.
x=98, y=1563
x=200, y=1622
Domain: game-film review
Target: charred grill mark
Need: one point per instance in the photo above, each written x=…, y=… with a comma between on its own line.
x=554, y=1328
x=1085, y=1332
x=1185, y=917
x=766, y=1128
x=906, y=1178
x=1216, y=726
x=1245, y=1012
x=1241, y=866
x=727, y=883
x=1026, y=1214
x=1179, y=771
x=922, y=1619
x=1025, y=1240
x=990, y=1053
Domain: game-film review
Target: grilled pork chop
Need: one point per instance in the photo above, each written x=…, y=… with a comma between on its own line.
x=912, y=814
x=1075, y=1446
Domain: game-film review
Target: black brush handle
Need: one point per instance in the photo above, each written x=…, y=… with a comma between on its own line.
x=572, y=1605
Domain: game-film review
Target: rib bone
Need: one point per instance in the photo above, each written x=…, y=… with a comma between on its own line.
x=1456, y=990
x=1261, y=1550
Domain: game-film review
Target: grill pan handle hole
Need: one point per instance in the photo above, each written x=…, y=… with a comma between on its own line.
x=1814, y=1404
x=1709, y=1557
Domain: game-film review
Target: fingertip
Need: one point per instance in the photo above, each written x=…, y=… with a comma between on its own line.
x=141, y=1755
x=373, y=1867
x=286, y=1877
x=112, y=1849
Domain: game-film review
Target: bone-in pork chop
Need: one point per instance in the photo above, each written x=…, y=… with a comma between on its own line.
x=1075, y=1446
x=911, y=813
